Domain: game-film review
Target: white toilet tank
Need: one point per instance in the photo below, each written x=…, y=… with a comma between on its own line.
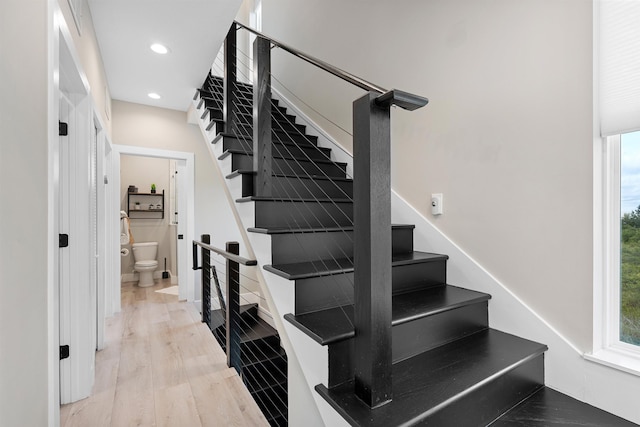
x=145, y=251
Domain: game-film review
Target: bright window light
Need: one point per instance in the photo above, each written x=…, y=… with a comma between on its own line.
x=160, y=49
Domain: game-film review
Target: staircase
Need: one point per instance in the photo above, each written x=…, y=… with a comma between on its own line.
x=264, y=362
x=449, y=368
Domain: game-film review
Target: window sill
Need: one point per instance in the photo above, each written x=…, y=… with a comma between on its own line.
x=617, y=358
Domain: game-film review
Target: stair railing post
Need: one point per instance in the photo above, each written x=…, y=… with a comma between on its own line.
x=230, y=84
x=262, y=146
x=234, y=355
x=206, y=281
x=372, y=250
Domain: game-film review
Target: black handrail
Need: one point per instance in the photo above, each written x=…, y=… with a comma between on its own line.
x=227, y=255
x=405, y=100
x=344, y=75
x=231, y=309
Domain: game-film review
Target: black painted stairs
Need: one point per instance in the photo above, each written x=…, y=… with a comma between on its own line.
x=449, y=367
x=264, y=362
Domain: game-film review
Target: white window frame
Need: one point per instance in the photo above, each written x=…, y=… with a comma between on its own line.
x=607, y=347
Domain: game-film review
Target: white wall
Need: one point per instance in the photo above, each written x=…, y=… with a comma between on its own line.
x=142, y=172
x=507, y=135
x=24, y=232
x=145, y=126
x=86, y=44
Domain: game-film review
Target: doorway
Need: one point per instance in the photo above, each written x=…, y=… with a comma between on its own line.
x=184, y=229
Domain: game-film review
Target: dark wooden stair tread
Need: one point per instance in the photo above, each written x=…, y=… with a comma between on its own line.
x=434, y=379
x=336, y=324
x=231, y=151
x=288, y=230
x=549, y=408
x=282, y=175
x=290, y=199
x=247, y=311
x=327, y=267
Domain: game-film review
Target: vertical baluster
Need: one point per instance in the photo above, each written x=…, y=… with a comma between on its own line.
x=230, y=108
x=262, y=147
x=372, y=239
x=234, y=355
x=206, y=281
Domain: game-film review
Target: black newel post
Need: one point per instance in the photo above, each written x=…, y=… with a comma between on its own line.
x=230, y=82
x=372, y=276
x=206, y=281
x=262, y=147
x=233, y=309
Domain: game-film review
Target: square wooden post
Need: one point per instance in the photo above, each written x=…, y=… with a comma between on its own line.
x=372, y=257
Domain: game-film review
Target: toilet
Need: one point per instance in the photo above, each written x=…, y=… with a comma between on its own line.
x=144, y=255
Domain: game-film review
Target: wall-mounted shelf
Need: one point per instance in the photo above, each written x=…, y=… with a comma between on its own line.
x=151, y=205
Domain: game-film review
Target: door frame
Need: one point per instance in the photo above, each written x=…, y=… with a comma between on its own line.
x=73, y=303
x=186, y=207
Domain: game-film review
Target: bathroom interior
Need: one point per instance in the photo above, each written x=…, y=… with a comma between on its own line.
x=148, y=221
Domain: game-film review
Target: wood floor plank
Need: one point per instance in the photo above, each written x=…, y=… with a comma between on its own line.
x=175, y=406
x=161, y=366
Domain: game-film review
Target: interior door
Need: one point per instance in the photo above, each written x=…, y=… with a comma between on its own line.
x=64, y=256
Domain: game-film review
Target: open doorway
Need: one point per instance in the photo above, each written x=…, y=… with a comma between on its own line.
x=179, y=227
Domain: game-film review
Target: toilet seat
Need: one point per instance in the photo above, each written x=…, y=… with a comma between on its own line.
x=146, y=264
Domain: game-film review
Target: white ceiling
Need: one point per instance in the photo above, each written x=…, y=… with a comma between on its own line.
x=193, y=30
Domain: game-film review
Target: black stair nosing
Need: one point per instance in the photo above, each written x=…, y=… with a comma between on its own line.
x=547, y=407
x=231, y=151
x=291, y=200
x=429, y=382
x=327, y=267
x=285, y=230
x=335, y=324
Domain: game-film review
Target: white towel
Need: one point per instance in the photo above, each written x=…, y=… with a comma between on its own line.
x=125, y=229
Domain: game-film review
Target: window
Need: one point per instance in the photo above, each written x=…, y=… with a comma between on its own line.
x=617, y=185
x=629, y=321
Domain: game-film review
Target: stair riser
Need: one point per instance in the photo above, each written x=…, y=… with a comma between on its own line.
x=267, y=368
x=319, y=293
x=249, y=316
x=256, y=384
x=302, y=187
x=274, y=214
x=304, y=151
x=302, y=247
x=290, y=166
x=256, y=347
x=272, y=403
x=278, y=135
x=487, y=402
x=279, y=122
x=412, y=338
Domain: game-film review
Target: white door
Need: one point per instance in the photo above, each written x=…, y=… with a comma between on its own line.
x=64, y=256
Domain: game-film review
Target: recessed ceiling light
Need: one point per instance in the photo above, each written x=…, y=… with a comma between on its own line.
x=159, y=48
x=153, y=95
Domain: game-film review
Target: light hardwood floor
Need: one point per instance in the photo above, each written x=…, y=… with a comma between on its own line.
x=161, y=367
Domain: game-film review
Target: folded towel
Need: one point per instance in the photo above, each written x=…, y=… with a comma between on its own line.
x=125, y=231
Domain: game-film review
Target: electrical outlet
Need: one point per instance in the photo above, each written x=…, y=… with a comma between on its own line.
x=436, y=204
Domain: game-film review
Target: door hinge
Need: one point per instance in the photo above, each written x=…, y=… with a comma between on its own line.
x=64, y=352
x=63, y=128
x=180, y=237
x=63, y=240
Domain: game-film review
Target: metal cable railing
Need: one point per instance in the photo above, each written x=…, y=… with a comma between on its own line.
x=243, y=356
x=274, y=146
